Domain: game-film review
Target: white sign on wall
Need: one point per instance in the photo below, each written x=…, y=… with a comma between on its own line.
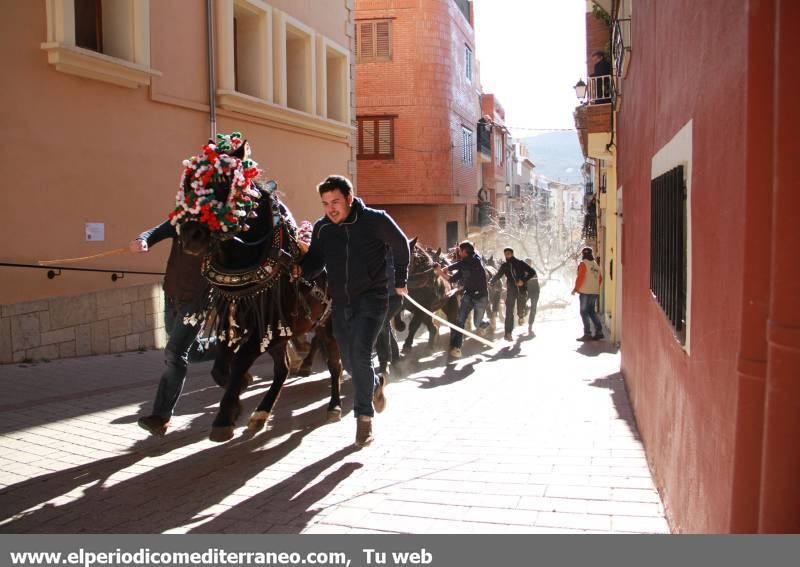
x=95, y=231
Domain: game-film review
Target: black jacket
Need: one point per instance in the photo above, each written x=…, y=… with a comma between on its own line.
x=471, y=272
x=183, y=280
x=354, y=253
x=514, y=269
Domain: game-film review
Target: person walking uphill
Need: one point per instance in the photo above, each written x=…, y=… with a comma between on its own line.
x=587, y=285
x=351, y=242
x=472, y=273
x=184, y=290
x=517, y=274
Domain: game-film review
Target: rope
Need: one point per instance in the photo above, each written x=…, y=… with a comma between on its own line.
x=82, y=258
x=449, y=324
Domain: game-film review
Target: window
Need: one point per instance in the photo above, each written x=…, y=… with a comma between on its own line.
x=375, y=137
x=374, y=40
x=299, y=64
x=498, y=149
x=467, y=150
x=250, y=60
x=668, y=251
x=468, y=64
x=333, y=80
x=105, y=40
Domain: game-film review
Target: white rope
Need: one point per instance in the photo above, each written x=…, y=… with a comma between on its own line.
x=449, y=324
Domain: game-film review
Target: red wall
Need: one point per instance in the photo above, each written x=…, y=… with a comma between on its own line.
x=687, y=64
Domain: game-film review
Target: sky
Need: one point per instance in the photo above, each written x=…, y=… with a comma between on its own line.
x=531, y=54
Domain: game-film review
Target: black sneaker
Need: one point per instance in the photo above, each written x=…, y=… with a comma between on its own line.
x=598, y=336
x=584, y=338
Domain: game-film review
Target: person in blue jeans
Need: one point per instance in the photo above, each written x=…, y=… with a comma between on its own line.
x=350, y=242
x=184, y=290
x=588, y=283
x=471, y=272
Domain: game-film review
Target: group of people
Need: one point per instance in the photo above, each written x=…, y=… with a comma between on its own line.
x=366, y=256
x=522, y=286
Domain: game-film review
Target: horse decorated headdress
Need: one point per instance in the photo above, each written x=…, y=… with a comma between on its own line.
x=222, y=167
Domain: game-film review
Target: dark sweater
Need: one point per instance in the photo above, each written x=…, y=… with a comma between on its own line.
x=514, y=269
x=354, y=253
x=183, y=280
x=471, y=272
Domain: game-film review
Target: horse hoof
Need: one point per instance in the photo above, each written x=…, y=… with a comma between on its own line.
x=221, y=434
x=334, y=415
x=257, y=421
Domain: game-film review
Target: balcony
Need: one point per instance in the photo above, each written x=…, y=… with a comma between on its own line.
x=480, y=215
x=600, y=89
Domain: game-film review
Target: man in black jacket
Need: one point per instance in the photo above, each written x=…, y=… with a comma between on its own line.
x=351, y=242
x=471, y=272
x=184, y=290
x=517, y=273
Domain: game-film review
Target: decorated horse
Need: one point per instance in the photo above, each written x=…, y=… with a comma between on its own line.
x=431, y=291
x=228, y=213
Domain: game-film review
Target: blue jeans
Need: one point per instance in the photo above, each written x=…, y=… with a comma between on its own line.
x=355, y=327
x=468, y=303
x=176, y=356
x=588, y=307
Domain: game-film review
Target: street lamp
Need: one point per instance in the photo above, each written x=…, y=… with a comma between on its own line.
x=580, y=89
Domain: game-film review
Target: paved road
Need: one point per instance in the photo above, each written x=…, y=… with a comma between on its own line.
x=534, y=436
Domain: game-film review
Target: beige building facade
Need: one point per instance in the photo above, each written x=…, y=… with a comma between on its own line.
x=103, y=101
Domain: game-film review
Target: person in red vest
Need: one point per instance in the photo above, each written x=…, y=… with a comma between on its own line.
x=587, y=285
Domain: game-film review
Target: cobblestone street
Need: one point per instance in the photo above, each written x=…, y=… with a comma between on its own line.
x=534, y=436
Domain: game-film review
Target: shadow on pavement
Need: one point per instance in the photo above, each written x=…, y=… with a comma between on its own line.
x=169, y=495
x=619, y=396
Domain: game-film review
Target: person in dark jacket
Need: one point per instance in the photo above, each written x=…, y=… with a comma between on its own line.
x=184, y=290
x=471, y=272
x=601, y=76
x=517, y=274
x=533, y=295
x=351, y=242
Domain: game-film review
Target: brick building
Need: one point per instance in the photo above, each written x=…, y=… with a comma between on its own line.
x=417, y=106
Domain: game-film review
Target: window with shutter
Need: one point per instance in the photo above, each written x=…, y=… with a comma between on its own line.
x=374, y=40
x=375, y=137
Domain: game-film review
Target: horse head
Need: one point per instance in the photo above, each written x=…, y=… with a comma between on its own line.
x=218, y=195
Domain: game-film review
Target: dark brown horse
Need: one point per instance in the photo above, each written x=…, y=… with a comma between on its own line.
x=253, y=306
x=431, y=291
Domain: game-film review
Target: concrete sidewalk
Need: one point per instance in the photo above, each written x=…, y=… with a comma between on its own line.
x=535, y=436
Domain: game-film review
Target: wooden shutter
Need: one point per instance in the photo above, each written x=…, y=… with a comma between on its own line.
x=374, y=40
x=383, y=40
x=385, y=137
x=366, y=40
x=375, y=137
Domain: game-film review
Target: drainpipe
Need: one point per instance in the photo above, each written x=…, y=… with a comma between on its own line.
x=780, y=483
x=212, y=95
x=755, y=258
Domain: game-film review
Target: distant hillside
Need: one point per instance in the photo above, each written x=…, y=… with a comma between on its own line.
x=557, y=156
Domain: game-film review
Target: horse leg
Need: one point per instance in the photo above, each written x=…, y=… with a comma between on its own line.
x=221, y=371
x=280, y=359
x=433, y=332
x=416, y=321
x=335, y=368
x=308, y=361
x=230, y=407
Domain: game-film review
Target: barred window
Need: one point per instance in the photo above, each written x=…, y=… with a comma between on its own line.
x=668, y=243
x=374, y=40
x=468, y=64
x=467, y=151
x=375, y=137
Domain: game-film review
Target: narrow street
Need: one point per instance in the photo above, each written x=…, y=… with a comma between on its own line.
x=534, y=436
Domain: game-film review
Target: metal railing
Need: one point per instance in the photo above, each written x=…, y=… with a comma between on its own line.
x=600, y=89
x=54, y=271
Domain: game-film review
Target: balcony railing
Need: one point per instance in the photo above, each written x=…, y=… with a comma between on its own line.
x=600, y=89
x=621, y=45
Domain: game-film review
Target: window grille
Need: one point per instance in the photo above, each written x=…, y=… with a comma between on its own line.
x=668, y=247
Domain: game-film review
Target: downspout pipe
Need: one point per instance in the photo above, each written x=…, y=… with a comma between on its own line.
x=780, y=483
x=212, y=79
x=756, y=259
